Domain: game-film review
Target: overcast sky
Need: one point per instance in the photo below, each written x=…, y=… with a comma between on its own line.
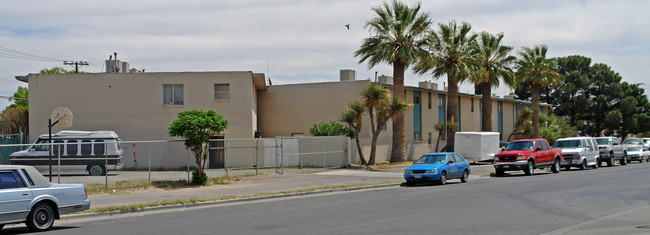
x=298, y=41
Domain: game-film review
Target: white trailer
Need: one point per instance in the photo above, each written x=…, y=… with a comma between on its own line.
x=477, y=146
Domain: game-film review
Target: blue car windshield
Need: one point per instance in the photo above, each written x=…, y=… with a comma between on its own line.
x=431, y=159
x=521, y=145
x=567, y=144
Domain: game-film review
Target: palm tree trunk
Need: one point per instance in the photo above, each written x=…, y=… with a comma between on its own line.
x=535, y=103
x=363, y=159
x=486, y=103
x=373, y=150
x=452, y=109
x=398, y=149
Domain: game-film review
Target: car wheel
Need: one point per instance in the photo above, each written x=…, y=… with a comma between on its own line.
x=624, y=160
x=567, y=168
x=610, y=162
x=583, y=165
x=500, y=172
x=96, y=170
x=409, y=183
x=556, y=166
x=597, y=163
x=530, y=168
x=443, y=178
x=41, y=217
x=465, y=177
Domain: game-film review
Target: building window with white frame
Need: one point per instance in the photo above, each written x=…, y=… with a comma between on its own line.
x=221, y=91
x=173, y=94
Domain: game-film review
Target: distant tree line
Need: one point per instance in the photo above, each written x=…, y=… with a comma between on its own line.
x=594, y=100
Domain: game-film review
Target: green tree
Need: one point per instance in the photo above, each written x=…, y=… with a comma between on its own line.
x=398, y=33
x=605, y=90
x=352, y=116
x=330, y=128
x=56, y=70
x=493, y=61
x=556, y=128
x=451, y=51
x=197, y=127
x=523, y=128
x=571, y=99
x=380, y=108
x=537, y=71
x=20, y=99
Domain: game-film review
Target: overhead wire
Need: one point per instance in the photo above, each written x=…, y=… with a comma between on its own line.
x=15, y=54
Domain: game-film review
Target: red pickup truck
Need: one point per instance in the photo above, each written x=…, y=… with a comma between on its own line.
x=527, y=155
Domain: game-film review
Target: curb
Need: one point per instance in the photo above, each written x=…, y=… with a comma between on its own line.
x=218, y=202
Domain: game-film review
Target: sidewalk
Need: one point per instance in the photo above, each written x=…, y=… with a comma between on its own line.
x=269, y=184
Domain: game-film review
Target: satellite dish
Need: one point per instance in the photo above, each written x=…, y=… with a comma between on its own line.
x=63, y=116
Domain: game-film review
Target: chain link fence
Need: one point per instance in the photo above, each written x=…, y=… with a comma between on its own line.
x=106, y=162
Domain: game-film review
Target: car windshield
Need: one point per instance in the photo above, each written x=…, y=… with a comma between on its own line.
x=604, y=141
x=431, y=159
x=634, y=148
x=631, y=141
x=521, y=145
x=567, y=144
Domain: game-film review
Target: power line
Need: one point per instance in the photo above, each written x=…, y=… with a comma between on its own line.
x=15, y=54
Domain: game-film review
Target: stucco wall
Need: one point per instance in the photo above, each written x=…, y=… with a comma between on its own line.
x=131, y=104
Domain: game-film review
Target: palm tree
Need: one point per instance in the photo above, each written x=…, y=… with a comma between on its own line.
x=522, y=127
x=352, y=116
x=493, y=63
x=451, y=49
x=537, y=71
x=398, y=32
x=380, y=108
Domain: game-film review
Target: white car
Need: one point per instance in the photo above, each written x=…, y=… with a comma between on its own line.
x=27, y=197
x=635, y=153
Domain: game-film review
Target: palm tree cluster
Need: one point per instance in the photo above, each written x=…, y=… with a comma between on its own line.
x=380, y=107
x=403, y=36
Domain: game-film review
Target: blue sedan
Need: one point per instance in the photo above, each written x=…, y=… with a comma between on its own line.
x=438, y=167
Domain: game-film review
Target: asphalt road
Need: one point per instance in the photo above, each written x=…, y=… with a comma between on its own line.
x=571, y=202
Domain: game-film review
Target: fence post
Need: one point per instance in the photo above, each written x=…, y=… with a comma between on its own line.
x=324, y=149
x=188, y=165
x=149, y=178
x=282, y=155
x=257, y=156
x=276, y=155
x=346, y=154
x=225, y=156
x=300, y=152
x=59, y=162
x=106, y=164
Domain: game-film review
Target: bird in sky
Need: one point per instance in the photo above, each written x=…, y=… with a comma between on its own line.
x=347, y=26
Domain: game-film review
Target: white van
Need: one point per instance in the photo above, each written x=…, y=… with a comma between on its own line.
x=578, y=152
x=93, y=151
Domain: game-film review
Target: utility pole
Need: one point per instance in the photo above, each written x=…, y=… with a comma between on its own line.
x=76, y=64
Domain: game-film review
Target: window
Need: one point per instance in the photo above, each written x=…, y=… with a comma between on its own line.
x=172, y=94
x=429, y=100
x=29, y=178
x=417, y=136
x=416, y=98
x=42, y=145
x=222, y=91
x=73, y=147
x=8, y=180
x=98, y=149
x=472, y=104
x=429, y=141
x=86, y=147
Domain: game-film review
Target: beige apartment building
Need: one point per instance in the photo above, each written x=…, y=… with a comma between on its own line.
x=141, y=106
